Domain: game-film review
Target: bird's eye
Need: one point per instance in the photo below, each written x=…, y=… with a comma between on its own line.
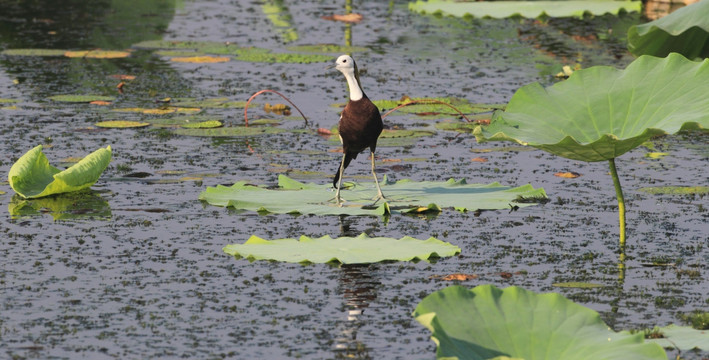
x=344, y=61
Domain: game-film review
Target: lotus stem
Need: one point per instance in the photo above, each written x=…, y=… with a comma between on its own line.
x=426, y=101
x=246, y=108
x=621, y=202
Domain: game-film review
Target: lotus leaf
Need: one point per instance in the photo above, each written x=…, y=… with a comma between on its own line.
x=33, y=52
x=203, y=124
x=121, y=124
x=402, y=196
x=601, y=112
x=32, y=176
x=683, y=338
x=281, y=19
x=685, y=31
x=676, y=190
x=346, y=250
x=230, y=131
x=486, y=322
x=528, y=9
x=327, y=49
x=80, y=98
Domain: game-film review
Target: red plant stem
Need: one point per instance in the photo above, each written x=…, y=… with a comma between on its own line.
x=246, y=108
x=427, y=101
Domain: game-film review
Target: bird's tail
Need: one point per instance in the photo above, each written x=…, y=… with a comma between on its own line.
x=348, y=159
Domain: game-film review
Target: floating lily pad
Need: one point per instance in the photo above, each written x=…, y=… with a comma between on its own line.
x=33, y=52
x=230, y=131
x=32, y=176
x=601, y=112
x=203, y=125
x=208, y=103
x=282, y=57
x=402, y=196
x=160, y=111
x=528, y=9
x=676, y=190
x=81, y=98
x=97, y=54
x=576, y=284
x=327, y=49
x=121, y=124
x=345, y=250
x=490, y=323
x=281, y=19
x=684, y=338
x=462, y=105
x=201, y=59
x=8, y=101
x=177, y=44
x=685, y=31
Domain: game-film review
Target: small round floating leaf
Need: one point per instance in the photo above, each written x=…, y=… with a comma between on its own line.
x=81, y=98
x=251, y=56
x=121, y=124
x=97, y=54
x=346, y=250
x=676, y=190
x=203, y=125
x=684, y=338
x=486, y=322
x=576, y=284
x=33, y=52
x=601, y=112
x=230, y=131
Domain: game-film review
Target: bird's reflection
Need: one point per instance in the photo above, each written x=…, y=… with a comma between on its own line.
x=359, y=286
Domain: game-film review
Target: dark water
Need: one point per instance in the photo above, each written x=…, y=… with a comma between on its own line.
x=135, y=269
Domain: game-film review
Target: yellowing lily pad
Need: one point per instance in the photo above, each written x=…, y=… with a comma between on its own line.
x=201, y=59
x=346, y=250
x=121, y=124
x=97, y=54
x=676, y=190
x=159, y=111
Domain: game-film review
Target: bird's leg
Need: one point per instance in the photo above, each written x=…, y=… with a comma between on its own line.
x=380, y=195
x=337, y=197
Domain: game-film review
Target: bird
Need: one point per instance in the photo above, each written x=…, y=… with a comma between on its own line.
x=359, y=127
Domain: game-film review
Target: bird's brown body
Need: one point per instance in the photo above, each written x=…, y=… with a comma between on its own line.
x=358, y=135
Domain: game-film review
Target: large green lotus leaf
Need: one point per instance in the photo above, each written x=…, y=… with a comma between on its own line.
x=402, y=196
x=601, y=112
x=486, y=322
x=346, y=250
x=528, y=9
x=32, y=176
x=685, y=31
x=683, y=338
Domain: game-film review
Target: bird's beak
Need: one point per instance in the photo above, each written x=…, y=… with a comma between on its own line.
x=330, y=66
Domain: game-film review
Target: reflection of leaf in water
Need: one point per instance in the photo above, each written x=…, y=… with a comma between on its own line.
x=528, y=9
x=121, y=124
x=68, y=206
x=345, y=250
x=402, y=196
x=280, y=17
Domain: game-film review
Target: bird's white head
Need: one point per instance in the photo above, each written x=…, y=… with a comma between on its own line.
x=347, y=66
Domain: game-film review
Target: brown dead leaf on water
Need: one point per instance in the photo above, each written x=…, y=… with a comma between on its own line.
x=479, y=159
x=201, y=59
x=391, y=160
x=323, y=131
x=348, y=18
x=97, y=54
x=483, y=121
x=100, y=102
x=567, y=175
x=455, y=277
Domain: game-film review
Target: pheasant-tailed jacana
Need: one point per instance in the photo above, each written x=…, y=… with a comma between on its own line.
x=360, y=124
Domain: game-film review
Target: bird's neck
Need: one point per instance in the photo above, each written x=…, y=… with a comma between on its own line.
x=356, y=92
